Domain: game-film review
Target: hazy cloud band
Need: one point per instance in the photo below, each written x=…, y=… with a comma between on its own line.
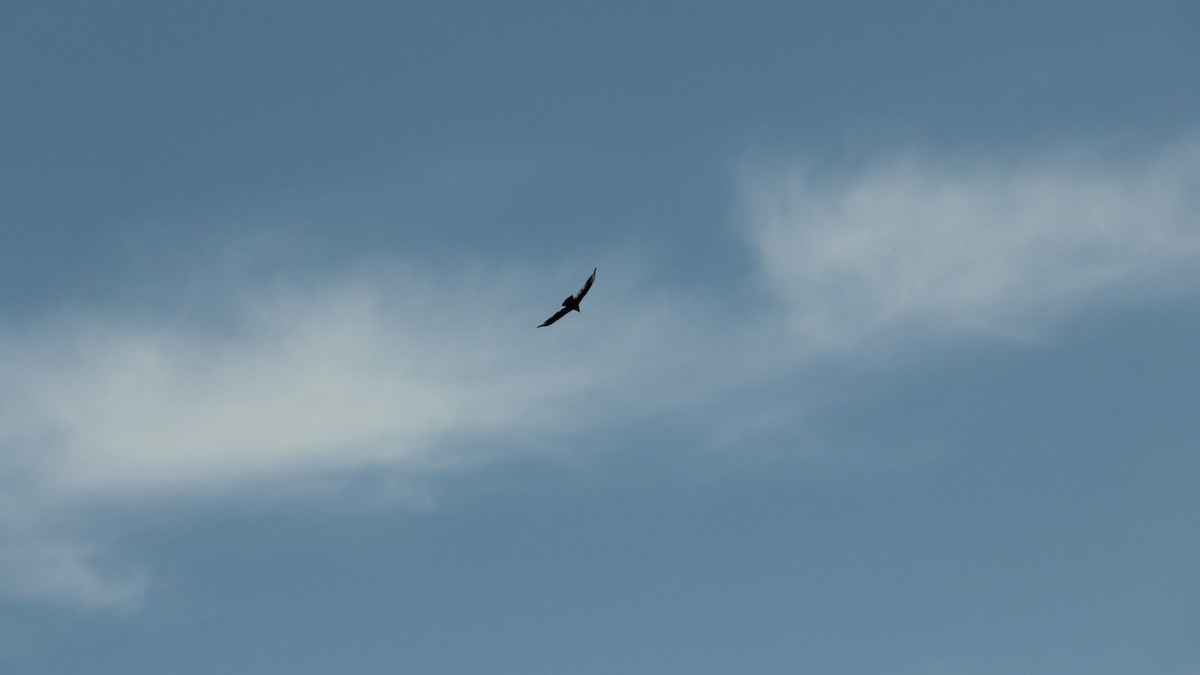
x=412, y=373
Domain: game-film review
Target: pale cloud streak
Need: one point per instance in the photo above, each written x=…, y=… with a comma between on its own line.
x=386, y=371
x=416, y=370
x=65, y=571
x=345, y=374
x=916, y=247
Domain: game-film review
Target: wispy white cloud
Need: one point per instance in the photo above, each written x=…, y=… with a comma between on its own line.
x=353, y=372
x=406, y=371
x=916, y=246
x=415, y=370
x=65, y=571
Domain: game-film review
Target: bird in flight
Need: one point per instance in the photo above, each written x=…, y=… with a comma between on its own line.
x=572, y=301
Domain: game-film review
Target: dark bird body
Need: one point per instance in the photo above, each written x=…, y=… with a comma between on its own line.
x=572, y=301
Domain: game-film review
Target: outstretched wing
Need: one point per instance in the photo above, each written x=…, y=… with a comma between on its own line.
x=586, y=285
x=557, y=315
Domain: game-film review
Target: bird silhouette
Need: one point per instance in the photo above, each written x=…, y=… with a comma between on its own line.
x=572, y=301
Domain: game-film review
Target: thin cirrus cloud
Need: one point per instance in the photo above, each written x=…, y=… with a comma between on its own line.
x=64, y=570
x=350, y=372
x=414, y=373
x=407, y=373
x=917, y=247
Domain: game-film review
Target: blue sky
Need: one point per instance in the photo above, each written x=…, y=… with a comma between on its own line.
x=889, y=366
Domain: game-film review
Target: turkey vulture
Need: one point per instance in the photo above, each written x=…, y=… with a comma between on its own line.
x=572, y=301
